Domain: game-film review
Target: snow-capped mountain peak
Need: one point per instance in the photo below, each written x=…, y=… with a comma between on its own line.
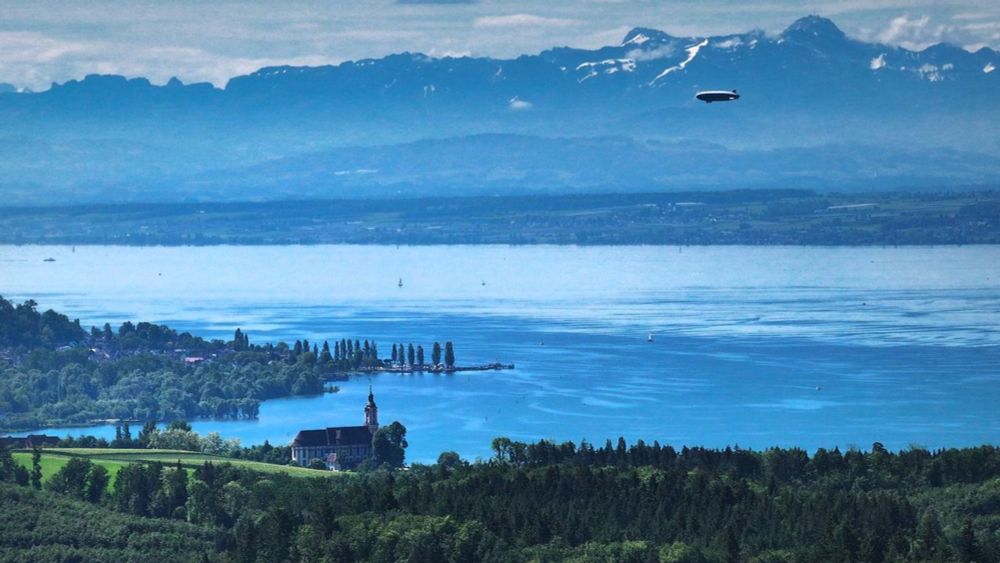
x=812, y=29
x=642, y=35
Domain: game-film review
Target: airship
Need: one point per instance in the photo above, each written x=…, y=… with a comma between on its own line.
x=709, y=96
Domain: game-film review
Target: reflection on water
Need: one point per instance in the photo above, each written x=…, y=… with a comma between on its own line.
x=753, y=346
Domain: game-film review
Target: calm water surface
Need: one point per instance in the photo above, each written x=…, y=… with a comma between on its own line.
x=752, y=346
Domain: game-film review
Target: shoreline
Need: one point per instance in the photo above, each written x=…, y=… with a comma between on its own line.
x=693, y=218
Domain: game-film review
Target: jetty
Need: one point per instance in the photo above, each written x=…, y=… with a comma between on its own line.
x=439, y=368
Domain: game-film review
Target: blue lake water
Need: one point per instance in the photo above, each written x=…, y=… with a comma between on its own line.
x=755, y=346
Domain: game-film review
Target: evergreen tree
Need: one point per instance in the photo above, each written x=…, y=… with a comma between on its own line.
x=436, y=354
x=968, y=549
x=96, y=483
x=36, y=469
x=449, y=354
x=420, y=355
x=411, y=357
x=148, y=428
x=394, y=356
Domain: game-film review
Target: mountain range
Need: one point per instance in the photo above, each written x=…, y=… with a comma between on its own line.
x=818, y=109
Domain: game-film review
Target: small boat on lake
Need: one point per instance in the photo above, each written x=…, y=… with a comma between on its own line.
x=400, y=282
x=49, y=259
x=649, y=337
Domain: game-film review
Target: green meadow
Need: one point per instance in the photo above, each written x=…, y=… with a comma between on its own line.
x=114, y=459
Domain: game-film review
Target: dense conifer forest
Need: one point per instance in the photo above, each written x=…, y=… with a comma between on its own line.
x=532, y=502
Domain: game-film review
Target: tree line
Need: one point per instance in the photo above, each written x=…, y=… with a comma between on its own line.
x=545, y=501
x=53, y=372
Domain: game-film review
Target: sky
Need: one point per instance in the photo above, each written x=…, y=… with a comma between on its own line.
x=45, y=41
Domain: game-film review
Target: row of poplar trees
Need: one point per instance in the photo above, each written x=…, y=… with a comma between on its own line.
x=409, y=355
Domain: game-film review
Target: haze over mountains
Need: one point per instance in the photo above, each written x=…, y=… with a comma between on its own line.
x=818, y=110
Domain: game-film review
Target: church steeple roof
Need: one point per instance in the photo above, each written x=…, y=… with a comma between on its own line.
x=371, y=412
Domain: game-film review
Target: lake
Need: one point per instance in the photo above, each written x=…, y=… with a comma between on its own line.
x=752, y=346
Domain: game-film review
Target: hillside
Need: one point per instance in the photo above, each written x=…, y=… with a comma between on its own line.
x=535, y=502
x=41, y=526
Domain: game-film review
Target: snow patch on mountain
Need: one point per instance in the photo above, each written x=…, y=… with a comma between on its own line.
x=731, y=43
x=989, y=68
x=608, y=66
x=638, y=39
x=930, y=72
x=877, y=63
x=692, y=52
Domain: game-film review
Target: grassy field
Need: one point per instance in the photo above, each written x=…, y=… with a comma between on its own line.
x=113, y=459
x=53, y=463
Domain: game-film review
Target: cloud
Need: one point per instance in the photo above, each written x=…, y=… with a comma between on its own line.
x=522, y=20
x=909, y=32
x=660, y=52
x=917, y=33
x=517, y=104
x=35, y=60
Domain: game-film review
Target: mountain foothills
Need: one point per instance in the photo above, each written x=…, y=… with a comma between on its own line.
x=818, y=110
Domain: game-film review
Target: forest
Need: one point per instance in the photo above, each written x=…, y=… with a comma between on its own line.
x=53, y=372
x=535, y=502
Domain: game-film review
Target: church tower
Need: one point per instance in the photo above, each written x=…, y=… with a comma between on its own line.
x=371, y=412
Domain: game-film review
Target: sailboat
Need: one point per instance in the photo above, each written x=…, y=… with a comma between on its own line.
x=400, y=282
x=649, y=337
